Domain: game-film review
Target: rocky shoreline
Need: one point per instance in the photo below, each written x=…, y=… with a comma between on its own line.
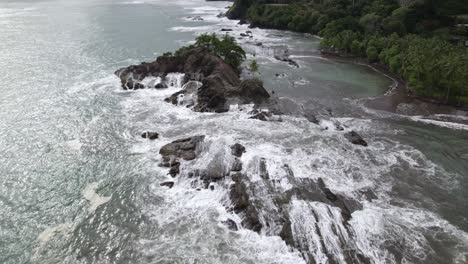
x=211, y=85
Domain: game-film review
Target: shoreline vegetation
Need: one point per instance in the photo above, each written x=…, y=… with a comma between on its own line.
x=422, y=43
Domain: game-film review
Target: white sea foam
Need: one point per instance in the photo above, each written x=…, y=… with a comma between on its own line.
x=95, y=200
x=439, y=123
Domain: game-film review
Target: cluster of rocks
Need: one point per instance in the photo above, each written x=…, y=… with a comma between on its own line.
x=211, y=85
x=262, y=206
x=220, y=83
x=185, y=149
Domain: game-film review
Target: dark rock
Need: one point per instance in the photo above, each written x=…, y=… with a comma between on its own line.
x=259, y=44
x=182, y=148
x=237, y=150
x=174, y=170
x=168, y=184
x=160, y=85
x=244, y=35
x=219, y=82
x=263, y=169
x=242, y=204
x=231, y=225
x=355, y=138
x=220, y=111
x=237, y=165
x=226, y=29
x=250, y=90
x=239, y=10
x=150, y=135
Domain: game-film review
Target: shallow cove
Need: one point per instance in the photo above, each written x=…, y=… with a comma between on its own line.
x=70, y=139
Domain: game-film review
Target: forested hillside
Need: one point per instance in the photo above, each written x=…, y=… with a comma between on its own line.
x=423, y=41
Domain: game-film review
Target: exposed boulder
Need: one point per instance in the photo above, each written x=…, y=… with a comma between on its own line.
x=250, y=90
x=355, y=138
x=183, y=148
x=160, y=85
x=150, y=135
x=237, y=150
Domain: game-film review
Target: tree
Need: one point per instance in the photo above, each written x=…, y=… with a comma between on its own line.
x=226, y=48
x=253, y=67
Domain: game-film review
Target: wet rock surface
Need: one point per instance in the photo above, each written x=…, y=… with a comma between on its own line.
x=237, y=150
x=264, y=205
x=220, y=83
x=150, y=135
x=184, y=149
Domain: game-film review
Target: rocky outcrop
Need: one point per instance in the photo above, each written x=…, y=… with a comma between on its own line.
x=239, y=9
x=219, y=84
x=180, y=149
x=265, y=205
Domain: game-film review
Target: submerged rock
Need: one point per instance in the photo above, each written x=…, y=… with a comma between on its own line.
x=355, y=138
x=231, y=225
x=284, y=56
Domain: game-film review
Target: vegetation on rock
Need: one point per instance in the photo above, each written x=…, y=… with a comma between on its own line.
x=226, y=48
